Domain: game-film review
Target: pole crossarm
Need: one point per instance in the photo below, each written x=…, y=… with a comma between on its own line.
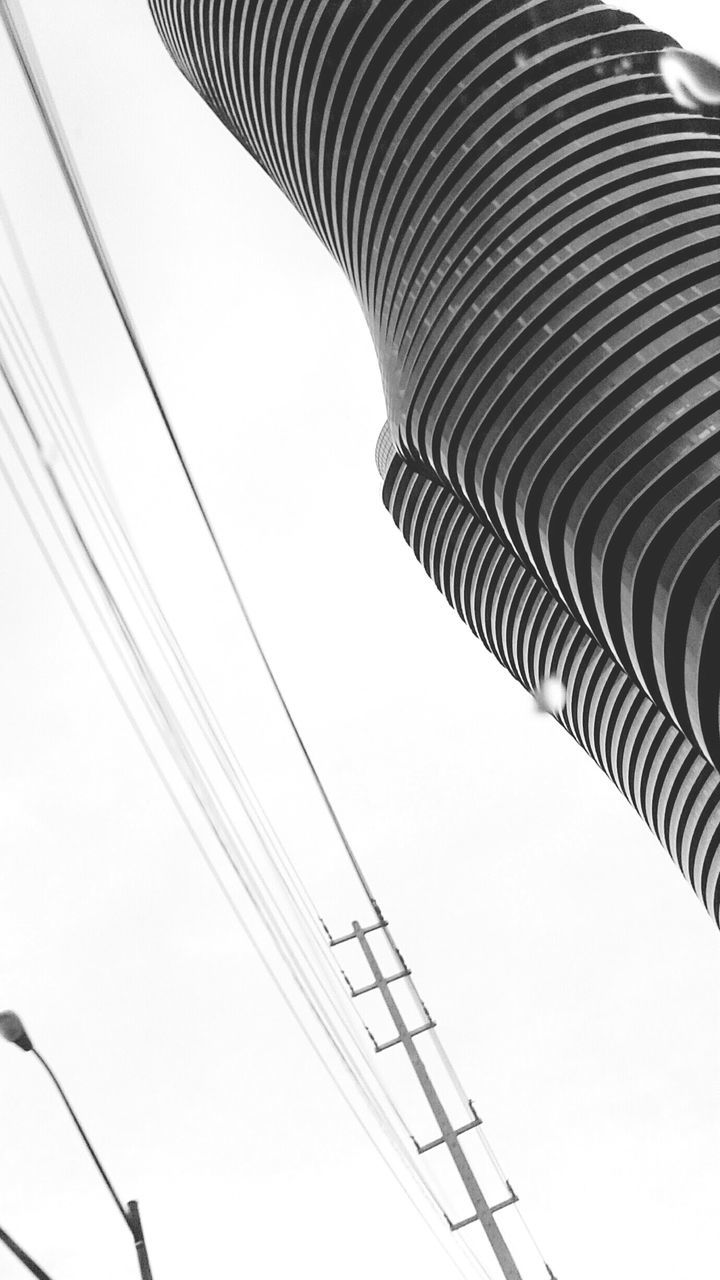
x=374, y=986
x=505, y=1204
x=449, y=1133
x=438, y=1142
x=475, y=1217
x=352, y=937
x=406, y=1035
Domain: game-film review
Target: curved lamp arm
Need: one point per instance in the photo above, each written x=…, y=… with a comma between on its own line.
x=13, y=1030
x=33, y=1267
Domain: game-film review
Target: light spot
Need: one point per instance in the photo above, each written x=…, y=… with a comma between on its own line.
x=693, y=81
x=551, y=696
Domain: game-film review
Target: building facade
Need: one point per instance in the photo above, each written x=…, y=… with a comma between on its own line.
x=531, y=225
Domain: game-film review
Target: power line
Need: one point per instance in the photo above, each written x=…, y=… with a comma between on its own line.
x=31, y=374
x=23, y=47
x=28, y=61
x=234, y=907
x=173, y=733
x=27, y=57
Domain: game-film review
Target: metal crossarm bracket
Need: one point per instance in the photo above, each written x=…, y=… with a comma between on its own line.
x=389, y=1044
x=449, y=1134
x=438, y=1142
x=457, y=1226
x=373, y=986
x=512, y=1199
x=352, y=937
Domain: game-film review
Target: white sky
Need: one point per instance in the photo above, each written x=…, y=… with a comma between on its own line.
x=573, y=974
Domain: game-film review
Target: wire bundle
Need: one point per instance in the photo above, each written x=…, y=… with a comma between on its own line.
x=57, y=480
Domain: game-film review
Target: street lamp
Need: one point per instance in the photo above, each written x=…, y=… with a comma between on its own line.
x=12, y=1029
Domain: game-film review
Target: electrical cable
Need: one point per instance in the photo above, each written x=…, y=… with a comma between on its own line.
x=40, y=91
x=115, y=610
x=39, y=446
x=251, y=799
x=24, y=50
x=314, y=917
x=314, y=921
x=37, y=442
x=206, y=857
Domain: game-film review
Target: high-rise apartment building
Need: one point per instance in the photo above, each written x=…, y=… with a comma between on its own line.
x=531, y=224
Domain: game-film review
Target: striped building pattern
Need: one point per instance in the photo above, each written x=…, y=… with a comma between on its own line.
x=531, y=224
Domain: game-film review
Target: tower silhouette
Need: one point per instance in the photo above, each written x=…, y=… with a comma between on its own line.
x=530, y=223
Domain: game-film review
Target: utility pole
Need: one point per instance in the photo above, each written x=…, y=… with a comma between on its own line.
x=135, y=1225
x=449, y=1135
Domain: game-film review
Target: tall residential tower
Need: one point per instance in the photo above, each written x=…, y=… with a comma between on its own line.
x=531, y=224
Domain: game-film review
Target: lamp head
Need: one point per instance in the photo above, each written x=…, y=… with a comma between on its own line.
x=12, y=1029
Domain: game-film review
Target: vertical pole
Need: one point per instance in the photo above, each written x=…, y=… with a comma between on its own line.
x=33, y=1267
x=133, y=1219
x=460, y=1160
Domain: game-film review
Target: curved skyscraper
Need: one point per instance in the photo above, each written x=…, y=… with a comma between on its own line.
x=532, y=226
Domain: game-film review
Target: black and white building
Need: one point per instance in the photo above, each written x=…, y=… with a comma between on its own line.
x=531, y=224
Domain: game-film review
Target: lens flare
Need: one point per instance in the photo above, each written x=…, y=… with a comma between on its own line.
x=551, y=696
x=693, y=81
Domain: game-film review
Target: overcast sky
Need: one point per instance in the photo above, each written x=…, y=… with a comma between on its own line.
x=572, y=972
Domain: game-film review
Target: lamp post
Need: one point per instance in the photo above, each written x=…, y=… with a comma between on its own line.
x=12, y=1030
